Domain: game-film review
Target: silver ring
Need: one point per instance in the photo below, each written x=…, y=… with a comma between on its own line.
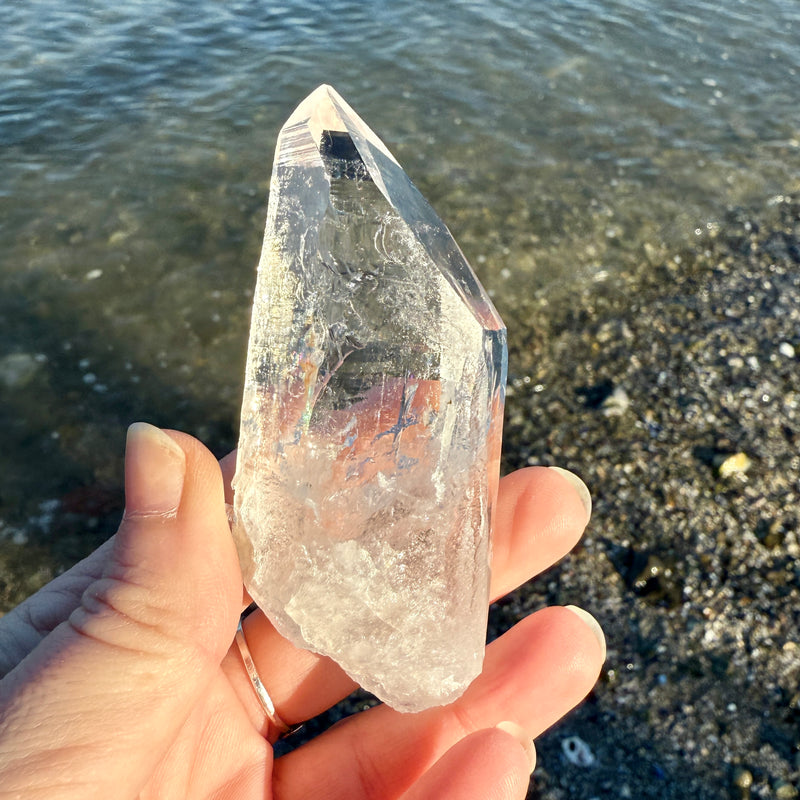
x=263, y=696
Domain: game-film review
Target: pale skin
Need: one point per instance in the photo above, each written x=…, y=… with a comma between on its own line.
x=119, y=678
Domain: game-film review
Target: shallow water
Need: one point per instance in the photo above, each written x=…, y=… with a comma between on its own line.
x=562, y=142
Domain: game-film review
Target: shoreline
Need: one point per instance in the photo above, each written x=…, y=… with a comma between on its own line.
x=673, y=393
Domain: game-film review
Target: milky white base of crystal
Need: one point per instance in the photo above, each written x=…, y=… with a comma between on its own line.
x=392, y=582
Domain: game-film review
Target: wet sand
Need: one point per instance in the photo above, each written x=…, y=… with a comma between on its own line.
x=675, y=394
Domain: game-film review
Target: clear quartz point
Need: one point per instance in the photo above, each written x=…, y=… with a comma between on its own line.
x=371, y=421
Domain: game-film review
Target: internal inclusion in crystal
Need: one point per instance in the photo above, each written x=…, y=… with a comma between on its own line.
x=371, y=419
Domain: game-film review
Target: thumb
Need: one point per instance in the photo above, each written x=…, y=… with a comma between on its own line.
x=91, y=711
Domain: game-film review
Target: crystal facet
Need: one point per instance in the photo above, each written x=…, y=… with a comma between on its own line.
x=371, y=420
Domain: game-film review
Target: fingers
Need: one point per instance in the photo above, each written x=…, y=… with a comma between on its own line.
x=144, y=643
x=228, y=467
x=27, y=624
x=532, y=676
x=300, y=683
x=489, y=764
x=538, y=518
x=173, y=564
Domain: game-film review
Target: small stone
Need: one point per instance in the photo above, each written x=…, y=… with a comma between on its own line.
x=17, y=369
x=736, y=464
x=578, y=752
x=19, y=536
x=770, y=533
x=742, y=782
x=785, y=791
x=786, y=349
x=617, y=403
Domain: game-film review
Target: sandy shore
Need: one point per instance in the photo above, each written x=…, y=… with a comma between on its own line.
x=675, y=394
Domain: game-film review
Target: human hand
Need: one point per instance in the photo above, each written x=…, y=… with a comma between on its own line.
x=120, y=679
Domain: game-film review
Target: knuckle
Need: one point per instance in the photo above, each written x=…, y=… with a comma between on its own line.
x=124, y=615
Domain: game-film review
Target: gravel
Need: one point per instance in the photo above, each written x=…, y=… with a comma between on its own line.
x=674, y=393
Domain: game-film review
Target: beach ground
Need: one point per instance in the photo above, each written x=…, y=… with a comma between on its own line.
x=675, y=394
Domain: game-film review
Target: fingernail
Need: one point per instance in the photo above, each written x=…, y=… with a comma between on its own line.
x=521, y=735
x=155, y=467
x=580, y=487
x=593, y=624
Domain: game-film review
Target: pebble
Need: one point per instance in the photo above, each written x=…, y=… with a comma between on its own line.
x=736, y=464
x=617, y=403
x=786, y=349
x=577, y=752
x=742, y=781
x=17, y=369
x=785, y=791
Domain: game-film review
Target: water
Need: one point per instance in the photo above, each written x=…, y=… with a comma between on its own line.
x=559, y=141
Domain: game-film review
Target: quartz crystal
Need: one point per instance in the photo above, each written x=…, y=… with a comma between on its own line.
x=371, y=420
